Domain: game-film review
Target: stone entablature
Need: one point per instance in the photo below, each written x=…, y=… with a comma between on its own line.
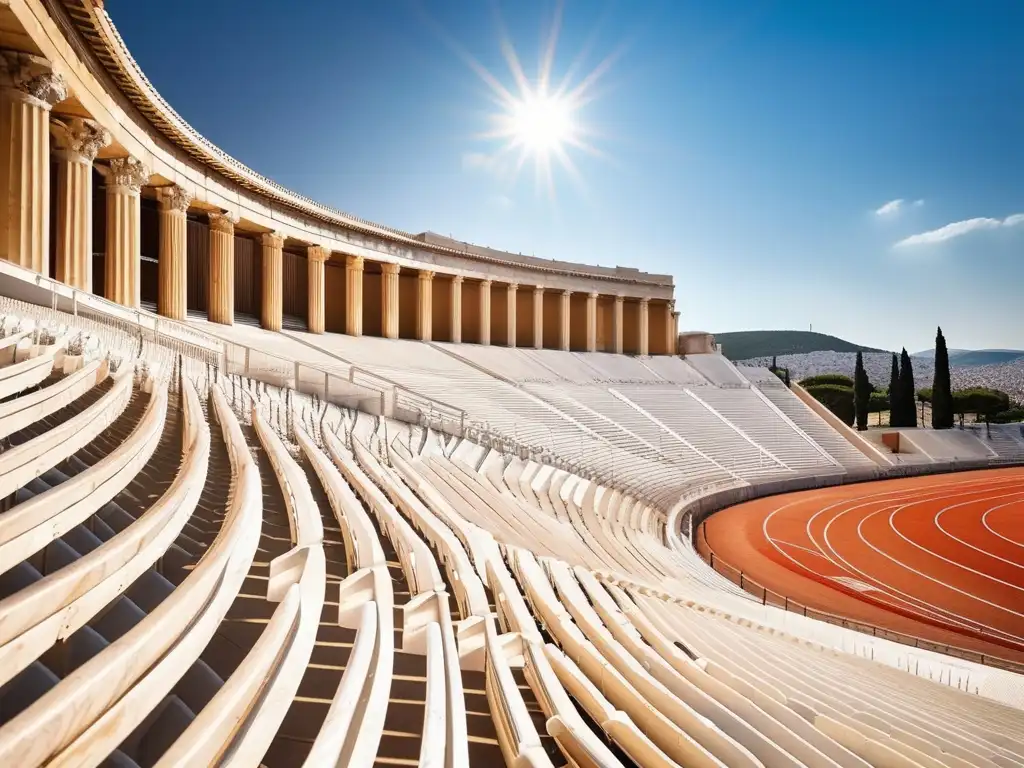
x=87, y=91
x=104, y=56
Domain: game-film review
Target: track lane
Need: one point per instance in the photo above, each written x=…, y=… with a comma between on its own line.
x=938, y=557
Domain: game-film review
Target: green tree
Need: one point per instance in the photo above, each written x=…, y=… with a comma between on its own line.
x=861, y=393
x=878, y=403
x=836, y=398
x=838, y=379
x=894, y=393
x=942, y=391
x=774, y=366
x=908, y=409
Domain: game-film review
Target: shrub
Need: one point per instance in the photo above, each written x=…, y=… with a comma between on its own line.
x=924, y=395
x=836, y=398
x=1008, y=416
x=984, y=402
x=836, y=379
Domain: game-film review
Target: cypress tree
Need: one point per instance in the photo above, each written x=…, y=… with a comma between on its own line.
x=907, y=392
x=894, y=393
x=861, y=393
x=773, y=364
x=942, y=390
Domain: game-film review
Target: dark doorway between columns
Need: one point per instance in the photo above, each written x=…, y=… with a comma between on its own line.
x=52, y=260
x=99, y=231
x=372, y=320
x=335, y=294
x=441, y=308
x=149, y=250
x=295, y=286
x=248, y=279
x=197, y=269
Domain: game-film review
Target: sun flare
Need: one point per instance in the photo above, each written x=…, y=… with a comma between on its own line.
x=539, y=120
x=541, y=123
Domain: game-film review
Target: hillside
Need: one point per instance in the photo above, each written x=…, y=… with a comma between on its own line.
x=743, y=345
x=968, y=358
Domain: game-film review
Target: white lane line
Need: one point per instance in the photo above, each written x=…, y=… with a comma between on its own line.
x=912, y=604
x=938, y=524
x=990, y=529
x=938, y=613
x=904, y=604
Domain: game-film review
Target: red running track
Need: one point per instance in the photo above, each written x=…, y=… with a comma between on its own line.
x=940, y=557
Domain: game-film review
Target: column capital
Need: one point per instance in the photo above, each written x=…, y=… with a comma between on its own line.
x=513, y=287
x=426, y=275
x=31, y=79
x=354, y=263
x=318, y=253
x=78, y=139
x=390, y=268
x=457, y=279
x=593, y=294
x=223, y=222
x=538, y=289
x=675, y=315
x=174, y=198
x=128, y=174
x=644, y=300
x=273, y=240
x=619, y=299
x=567, y=292
x=485, y=284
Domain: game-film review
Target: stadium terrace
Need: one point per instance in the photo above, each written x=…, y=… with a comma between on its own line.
x=283, y=487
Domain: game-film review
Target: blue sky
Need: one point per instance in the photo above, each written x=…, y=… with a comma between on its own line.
x=745, y=146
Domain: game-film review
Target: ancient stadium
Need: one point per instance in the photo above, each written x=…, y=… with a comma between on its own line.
x=280, y=486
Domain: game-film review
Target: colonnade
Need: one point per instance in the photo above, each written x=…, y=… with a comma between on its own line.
x=29, y=92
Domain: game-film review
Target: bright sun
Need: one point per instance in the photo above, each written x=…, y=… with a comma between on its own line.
x=541, y=123
x=538, y=120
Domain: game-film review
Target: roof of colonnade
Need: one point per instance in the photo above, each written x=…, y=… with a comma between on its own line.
x=97, y=31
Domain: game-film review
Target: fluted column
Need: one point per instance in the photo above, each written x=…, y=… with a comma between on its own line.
x=172, y=298
x=221, y=306
x=456, y=308
x=592, y=322
x=272, y=290
x=485, y=312
x=563, y=320
x=425, y=306
x=77, y=141
x=316, y=255
x=389, y=300
x=617, y=325
x=644, y=327
x=538, y=317
x=673, y=347
x=510, y=320
x=28, y=90
x=354, y=295
x=122, y=263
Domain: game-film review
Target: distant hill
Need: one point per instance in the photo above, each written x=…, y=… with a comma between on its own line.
x=969, y=358
x=743, y=345
x=929, y=354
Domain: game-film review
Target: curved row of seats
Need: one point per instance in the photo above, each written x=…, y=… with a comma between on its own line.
x=189, y=578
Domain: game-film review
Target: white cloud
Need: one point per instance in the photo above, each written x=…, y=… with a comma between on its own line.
x=918, y=203
x=960, y=228
x=891, y=208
